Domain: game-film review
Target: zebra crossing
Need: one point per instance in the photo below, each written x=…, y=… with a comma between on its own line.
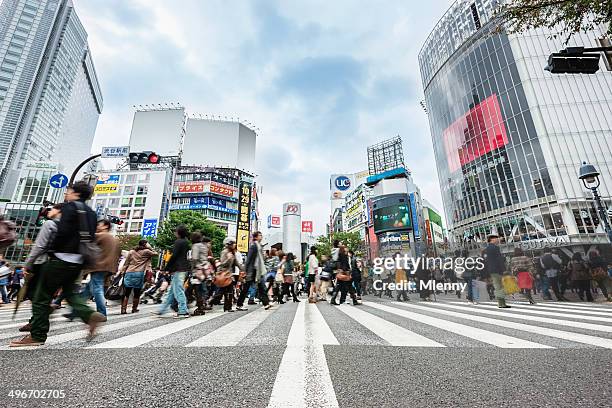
x=445, y=323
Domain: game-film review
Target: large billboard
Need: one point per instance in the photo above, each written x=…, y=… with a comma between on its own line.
x=216, y=143
x=159, y=131
x=394, y=217
x=107, y=184
x=244, y=217
x=476, y=133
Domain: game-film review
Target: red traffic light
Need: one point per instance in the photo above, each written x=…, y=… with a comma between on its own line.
x=153, y=158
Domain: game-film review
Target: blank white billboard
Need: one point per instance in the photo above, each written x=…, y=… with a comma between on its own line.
x=159, y=131
x=219, y=144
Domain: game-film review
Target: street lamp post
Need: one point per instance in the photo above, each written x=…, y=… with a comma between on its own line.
x=590, y=178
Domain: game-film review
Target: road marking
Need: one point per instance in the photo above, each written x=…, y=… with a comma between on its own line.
x=587, y=307
x=485, y=336
x=548, y=312
x=303, y=378
x=147, y=336
x=510, y=315
x=234, y=332
x=538, y=307
x=81, y=334
x=545, y=331
x=392, y=333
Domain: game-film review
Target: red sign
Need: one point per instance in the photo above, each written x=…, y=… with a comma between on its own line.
x=306, y=226
x=195, y=187
x=476, y=133
x=222, y=189
x=275, y=220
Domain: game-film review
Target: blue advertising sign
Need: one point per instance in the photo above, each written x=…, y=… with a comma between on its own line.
x=58, y=181
x=415, y=216
x=200, y=203
x=149, y=228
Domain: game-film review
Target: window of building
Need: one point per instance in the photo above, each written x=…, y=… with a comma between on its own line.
x=129, y=190
x=126, y=202
x=140, y=201
x=135, y=227
x=124, y=214
x=113, y=203
x=130, y=178
x=142, y=190
x=144, y=177
x=137, y=214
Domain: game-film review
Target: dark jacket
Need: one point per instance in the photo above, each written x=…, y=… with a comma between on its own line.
x=343, y=262
x=355, y=272
x=494, y=260
x=67, y=237
x=178, y=261
x=249, y=265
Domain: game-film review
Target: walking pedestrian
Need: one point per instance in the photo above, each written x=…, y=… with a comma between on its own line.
x=255, y=274
x=580, y=274
x=136, y=263
x=177, y=265
x=105, y=266
x=201, y=256
x=343, y=279
x=287, y=269
x=224, y=275
x=325, y=277
x=355, y=273
x=522, y=267
x=313, y=268
x=78, y=223
x=495, y=266
x=599, y=268
x=551, y=263
x=272, y=263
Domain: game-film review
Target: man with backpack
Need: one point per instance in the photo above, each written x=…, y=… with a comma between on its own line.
x=68, y=254
x=551, y=264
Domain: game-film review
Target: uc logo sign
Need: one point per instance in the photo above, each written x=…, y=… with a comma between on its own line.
x=342, y=183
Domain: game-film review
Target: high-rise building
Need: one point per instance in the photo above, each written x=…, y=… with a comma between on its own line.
x=509, y=137
x=50, y=99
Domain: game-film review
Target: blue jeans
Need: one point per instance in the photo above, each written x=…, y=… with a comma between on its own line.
x=545, y=286
x=95, y=288
x=176, y=292
x=5, y=298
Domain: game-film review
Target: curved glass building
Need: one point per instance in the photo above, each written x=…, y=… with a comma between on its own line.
x=509, y=136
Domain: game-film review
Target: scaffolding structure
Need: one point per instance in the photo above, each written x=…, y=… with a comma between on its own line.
x=386, y=155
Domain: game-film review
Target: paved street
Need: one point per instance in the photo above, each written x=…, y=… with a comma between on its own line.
x=384, y=353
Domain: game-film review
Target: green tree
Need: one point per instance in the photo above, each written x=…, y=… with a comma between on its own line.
x=323, y=246
x=128, y=241
x=563, y=17
x=352, y=240
x=193, y=221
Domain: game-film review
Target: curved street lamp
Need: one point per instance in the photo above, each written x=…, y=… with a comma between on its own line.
x=590, y=178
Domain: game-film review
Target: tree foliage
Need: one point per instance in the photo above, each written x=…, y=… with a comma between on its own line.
x=193, y=221
x=323, y=246
x=562, y=17
x=128, y=241
x=352, y=240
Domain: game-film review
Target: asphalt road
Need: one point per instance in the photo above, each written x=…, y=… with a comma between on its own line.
x=381, y=354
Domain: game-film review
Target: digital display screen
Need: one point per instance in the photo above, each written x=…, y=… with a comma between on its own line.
x=476, y=133
x=395, y=217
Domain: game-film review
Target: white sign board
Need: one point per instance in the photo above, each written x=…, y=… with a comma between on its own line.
x=115, y=151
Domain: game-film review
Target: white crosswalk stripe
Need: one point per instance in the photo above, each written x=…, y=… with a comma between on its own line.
x=527, y=310
x=234, y=332
x=140, y=338
x=391, y=333
x=587, y=307
x=565, y=335
x=485, y=336
x=538, y=306
x=303, y=378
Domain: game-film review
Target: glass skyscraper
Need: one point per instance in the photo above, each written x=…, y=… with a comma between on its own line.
x=50, y=99
x=509, y=136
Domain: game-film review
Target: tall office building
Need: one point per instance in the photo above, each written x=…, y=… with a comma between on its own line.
x=509, y=137
x=50, y=99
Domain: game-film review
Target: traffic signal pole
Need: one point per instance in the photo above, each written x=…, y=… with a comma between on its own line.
x=84, y=162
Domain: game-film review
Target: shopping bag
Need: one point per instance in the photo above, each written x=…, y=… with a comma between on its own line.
x=510, y=285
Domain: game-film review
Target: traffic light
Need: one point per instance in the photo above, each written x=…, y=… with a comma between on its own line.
x=573, y=60
x=144, y=158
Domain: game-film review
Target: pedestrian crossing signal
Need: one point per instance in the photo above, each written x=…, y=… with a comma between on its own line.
x=144, y=158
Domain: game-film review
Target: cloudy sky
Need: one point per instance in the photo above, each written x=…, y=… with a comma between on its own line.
x=321, y=79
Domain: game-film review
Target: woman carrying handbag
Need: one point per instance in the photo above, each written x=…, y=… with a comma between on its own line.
x=223, y=279
x=288, y=278
x=522, y=267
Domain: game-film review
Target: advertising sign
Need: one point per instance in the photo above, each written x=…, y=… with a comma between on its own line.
x=306, y=226
x=244, y=221
x=200, y=203
x=292, y=209
x=222, y=189
x=341, y=184
x=149, y=227
x=190, y=186
x=415, y=216
x=274, y=221
x=394, y=217
x=107, y=183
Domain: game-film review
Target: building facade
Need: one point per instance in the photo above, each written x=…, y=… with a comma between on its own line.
x=509, y=136
x=50, y=98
